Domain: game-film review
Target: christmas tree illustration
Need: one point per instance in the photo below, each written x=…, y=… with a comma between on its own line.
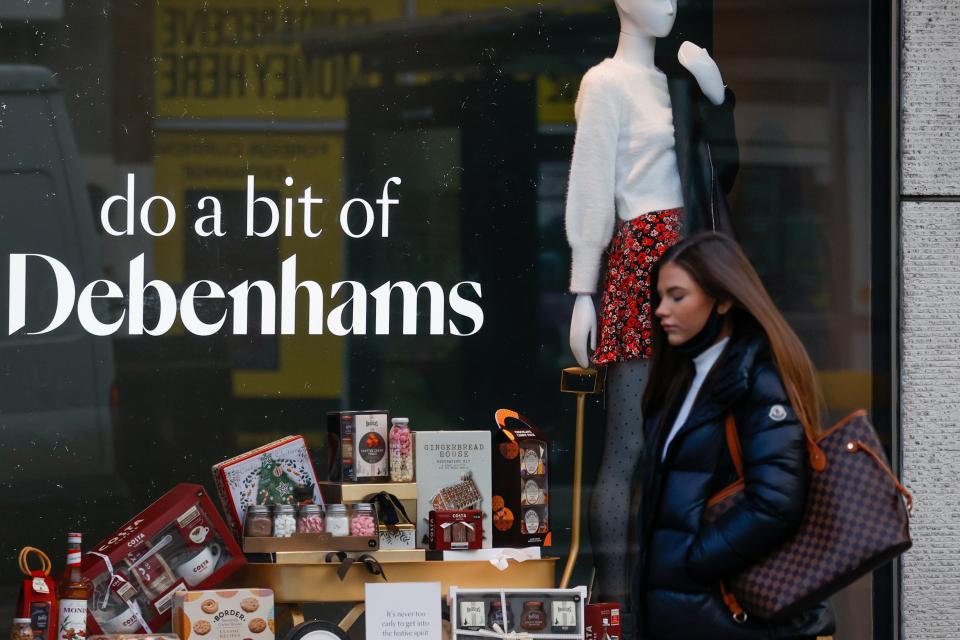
x=276, y=486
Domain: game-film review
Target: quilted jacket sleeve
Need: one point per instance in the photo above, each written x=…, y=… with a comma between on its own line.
x=776, y=478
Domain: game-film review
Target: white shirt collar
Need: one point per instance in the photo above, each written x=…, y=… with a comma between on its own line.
x=705, y=361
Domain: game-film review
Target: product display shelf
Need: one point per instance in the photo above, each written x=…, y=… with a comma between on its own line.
x=317, y=583
x=349, y=492
x=383, y=556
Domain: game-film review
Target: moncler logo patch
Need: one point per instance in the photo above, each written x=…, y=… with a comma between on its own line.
x=777, y=412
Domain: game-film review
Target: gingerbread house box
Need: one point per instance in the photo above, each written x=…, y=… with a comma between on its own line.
x=453, y=472
x=521, y=494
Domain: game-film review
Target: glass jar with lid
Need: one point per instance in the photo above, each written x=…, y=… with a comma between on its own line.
x=401, y=450
x=338, y=522
x=533, y=617
x=363, y=520
x=284, y=520
x=496, y=616
x=259, y=524
x=21, y=629
x=310, y=519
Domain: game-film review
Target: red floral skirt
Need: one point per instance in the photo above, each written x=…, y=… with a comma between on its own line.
x=626, y=319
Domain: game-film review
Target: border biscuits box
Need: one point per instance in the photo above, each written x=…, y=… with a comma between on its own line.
x=521, y=494
x=224, y=615
x=453, y=473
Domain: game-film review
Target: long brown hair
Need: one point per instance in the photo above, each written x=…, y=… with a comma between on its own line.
x=722, y=270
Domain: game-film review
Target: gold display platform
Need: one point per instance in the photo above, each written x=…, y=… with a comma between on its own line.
x=307, y=583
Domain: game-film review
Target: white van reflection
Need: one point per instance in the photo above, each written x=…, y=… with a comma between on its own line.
x=56, y=393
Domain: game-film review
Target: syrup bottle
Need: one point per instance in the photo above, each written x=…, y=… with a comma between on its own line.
x=73, y=591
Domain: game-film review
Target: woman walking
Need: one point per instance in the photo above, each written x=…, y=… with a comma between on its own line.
x=721, y=348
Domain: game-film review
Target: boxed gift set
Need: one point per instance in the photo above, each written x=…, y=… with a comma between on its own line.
x=179, y=542
x=600, y=618
x=395, y=504
x=453, y=473
x=542, y=613
x=224, y=615
x=277, y=473
x=456, y=530
x=521, y=493
x=357, y=446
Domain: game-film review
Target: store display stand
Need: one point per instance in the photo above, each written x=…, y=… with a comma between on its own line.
x=307, y=579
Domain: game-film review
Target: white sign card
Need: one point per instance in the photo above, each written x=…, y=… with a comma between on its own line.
x=403, y=611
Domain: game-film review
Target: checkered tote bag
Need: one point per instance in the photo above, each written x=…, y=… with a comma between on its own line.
x=855, y=521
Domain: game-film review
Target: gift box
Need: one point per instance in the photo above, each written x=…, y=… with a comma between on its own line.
x=600, y=617
x=398, y=537
x=521, y=492
x=357, y=446
x=456, y=530
x=224, y=615
x=277, y=473
x=542, y=613
x=179, y=542
x=453, y=473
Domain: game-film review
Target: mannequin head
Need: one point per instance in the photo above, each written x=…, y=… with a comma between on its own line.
x=647, y=17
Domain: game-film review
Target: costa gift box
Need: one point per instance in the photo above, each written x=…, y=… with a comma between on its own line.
x=456, y=530
x=271, y=474
x=224, y=615
x=179, y=542
x=521, y=492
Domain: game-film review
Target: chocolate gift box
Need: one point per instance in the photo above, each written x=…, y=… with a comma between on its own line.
x=179, y=542
x=224, y=615
x=357, y=446
x=521, y=492
x=453, y=473
x=275, y=473
x=455, y=530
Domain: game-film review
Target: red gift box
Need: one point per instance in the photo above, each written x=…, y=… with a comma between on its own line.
x=594, y=617
x=456, y=530
x=179, y=542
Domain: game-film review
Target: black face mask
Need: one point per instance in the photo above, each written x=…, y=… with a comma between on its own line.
x=705, y=338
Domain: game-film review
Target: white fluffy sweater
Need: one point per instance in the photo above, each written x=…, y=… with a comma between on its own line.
x=624, y=160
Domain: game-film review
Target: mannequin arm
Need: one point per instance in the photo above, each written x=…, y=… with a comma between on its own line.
x=721, y=134
x=716, y=112
x=704, y=69
x=583, y=329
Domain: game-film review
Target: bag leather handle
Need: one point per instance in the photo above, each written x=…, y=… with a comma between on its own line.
x=733, y=445
x=856, y=445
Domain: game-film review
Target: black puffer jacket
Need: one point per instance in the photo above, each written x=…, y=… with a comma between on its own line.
x=676, y=585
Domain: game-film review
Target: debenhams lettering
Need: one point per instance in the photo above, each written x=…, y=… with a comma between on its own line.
x=348, y=317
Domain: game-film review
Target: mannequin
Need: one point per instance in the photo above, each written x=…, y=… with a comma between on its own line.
x=642, y=175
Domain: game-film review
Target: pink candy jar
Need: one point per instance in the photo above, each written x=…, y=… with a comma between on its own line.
x=362, y=520
x=310, y=519
x=401, y=451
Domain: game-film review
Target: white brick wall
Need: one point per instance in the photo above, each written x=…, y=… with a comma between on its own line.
x=930, y=239
x=931, y=97
x=931, y=418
